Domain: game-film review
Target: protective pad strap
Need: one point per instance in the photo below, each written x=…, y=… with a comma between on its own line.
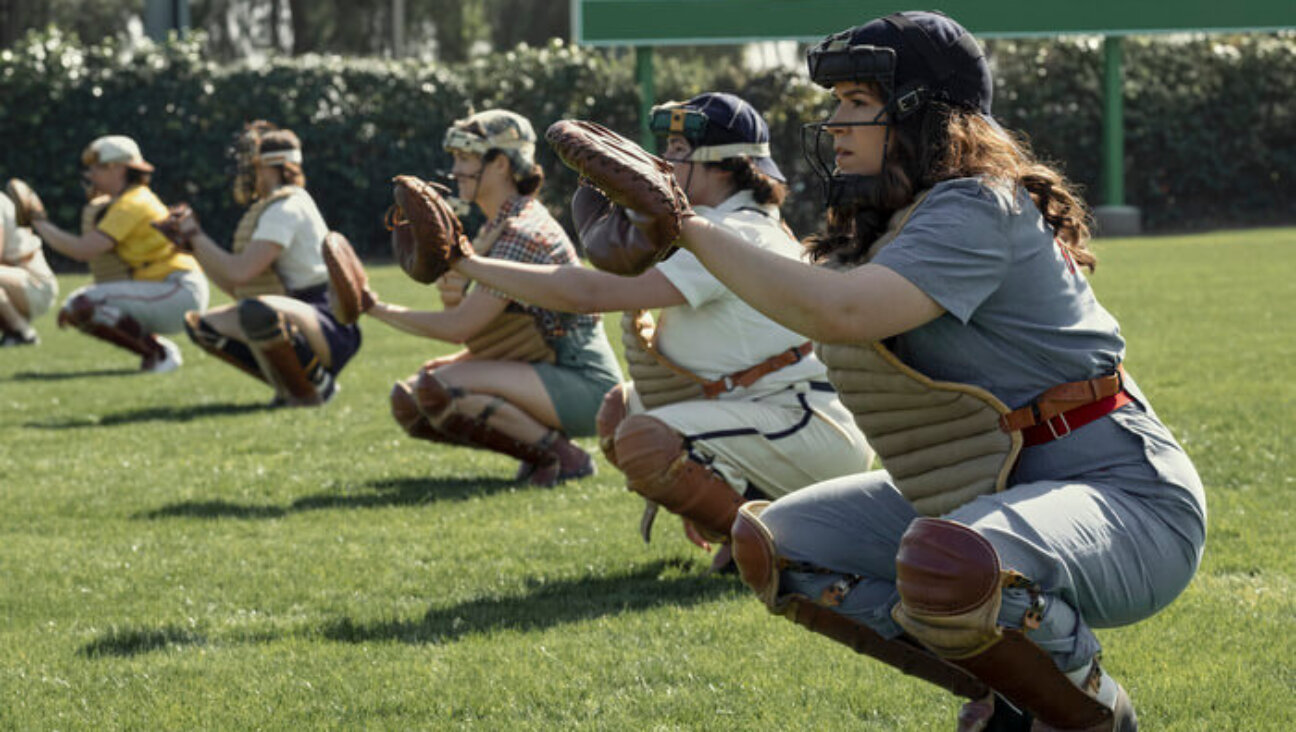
x=107, y=323
x=652, y=456
x=232, y=352
x=285, y=358
x=405, y=410
x=901, y=653
x=950, y=586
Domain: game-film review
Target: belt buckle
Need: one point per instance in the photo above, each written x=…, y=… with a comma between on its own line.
x=1065, y=425
x=728, y=383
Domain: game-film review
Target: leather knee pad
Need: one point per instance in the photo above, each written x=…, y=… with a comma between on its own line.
x=259, y=321
x=646, y=448
x=755, y=554
x=76, y=312
x=432, y=396
x=949, y=582
x=652, y=456
x=610, y=415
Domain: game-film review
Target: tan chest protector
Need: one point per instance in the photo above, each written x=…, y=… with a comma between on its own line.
x=106, y=267
x=939, y=440
x=657, y=380
x=268, y=282
x=512, y=335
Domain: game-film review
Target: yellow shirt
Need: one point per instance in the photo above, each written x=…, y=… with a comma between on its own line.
x=127, y=222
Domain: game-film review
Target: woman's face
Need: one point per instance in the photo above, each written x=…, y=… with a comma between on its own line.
x=857, y=149
x=467, y=172
x=704, y=186
x=108, y=178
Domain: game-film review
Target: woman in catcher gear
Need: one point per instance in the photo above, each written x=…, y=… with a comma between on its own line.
x=1030, y=493
x=280, y=330
x=530, y=377
x=724, y=404
x=163, y=281
x=27, y=285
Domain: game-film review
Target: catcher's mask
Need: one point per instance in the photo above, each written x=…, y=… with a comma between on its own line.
x=495, y=129
x=719, y=127
x=915, y=59
x=247, y=154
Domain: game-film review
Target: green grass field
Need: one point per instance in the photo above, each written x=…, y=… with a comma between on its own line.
x=175, y=555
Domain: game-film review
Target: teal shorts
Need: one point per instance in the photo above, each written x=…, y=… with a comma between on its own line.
x=583, y=372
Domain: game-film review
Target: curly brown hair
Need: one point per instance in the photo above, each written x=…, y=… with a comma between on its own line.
x=275, y=140
x=748, y=177
x=944, y=144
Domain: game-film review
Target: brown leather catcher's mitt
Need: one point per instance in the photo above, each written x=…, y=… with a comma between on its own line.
x=349, y=294
x=180, y=226
x=426, y=235
x=630, y=178
x=28, y=205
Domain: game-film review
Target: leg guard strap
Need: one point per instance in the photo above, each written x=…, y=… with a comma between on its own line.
x=950, y=586
x=284, y=356
x=107, y=323
x=656, y=467
x=405, y=410
x=232, y=352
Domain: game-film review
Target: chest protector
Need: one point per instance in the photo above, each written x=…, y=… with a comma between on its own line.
x=268, y=281
x=658, y=381
x=106, y=267
x=513, y=334
x=939, y=440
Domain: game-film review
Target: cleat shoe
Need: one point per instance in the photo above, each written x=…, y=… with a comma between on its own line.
x=525, y=470
x=13, y=338
x=169, y=360
x=568, y=462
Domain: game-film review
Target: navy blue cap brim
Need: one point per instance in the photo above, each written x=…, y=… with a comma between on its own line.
x=770, y=168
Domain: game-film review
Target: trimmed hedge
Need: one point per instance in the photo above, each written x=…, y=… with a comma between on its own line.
x=1211, y=134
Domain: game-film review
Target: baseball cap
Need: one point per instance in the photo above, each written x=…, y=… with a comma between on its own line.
x=115, y=149
x=509, y=132
x=719, y=126
x=921, y=53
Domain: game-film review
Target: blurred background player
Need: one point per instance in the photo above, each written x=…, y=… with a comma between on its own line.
x=27, y=285
x=280, y=330
x=161, y=282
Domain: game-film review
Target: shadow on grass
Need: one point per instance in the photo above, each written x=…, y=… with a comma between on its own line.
x=550, y=604
x=152, y=414
x=377, y=494
x=132, y=642
x=65, y=375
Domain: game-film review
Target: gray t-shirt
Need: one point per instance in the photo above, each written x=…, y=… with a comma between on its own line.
x=1020, y=317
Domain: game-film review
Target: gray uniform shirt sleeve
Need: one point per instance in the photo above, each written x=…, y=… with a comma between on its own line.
x=954, y=246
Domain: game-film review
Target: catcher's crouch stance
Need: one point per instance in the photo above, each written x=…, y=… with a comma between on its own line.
x=27, y=285
x=281, y=330
x=156, y=282
x=529, y=377
x=724, y=404
x=1030, y=494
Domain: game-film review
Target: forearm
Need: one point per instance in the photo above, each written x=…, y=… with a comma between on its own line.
x=555, y=287
x=439, y=325
x=228, y=270
x=65, y=242
x=790, y=292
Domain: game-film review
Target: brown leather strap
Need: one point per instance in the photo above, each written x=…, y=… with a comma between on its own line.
x=1062, y=398
x=747, y=377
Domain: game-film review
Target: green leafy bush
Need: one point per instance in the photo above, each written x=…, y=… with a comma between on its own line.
x=1210, y=133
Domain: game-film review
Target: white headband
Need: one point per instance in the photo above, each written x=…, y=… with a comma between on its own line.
x=716, y=153
x=280, y=156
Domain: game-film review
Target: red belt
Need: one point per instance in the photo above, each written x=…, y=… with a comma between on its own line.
x=1066, y=408
x=1071, y=420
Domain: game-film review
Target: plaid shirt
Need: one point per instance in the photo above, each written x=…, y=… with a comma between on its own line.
x=531, y=235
